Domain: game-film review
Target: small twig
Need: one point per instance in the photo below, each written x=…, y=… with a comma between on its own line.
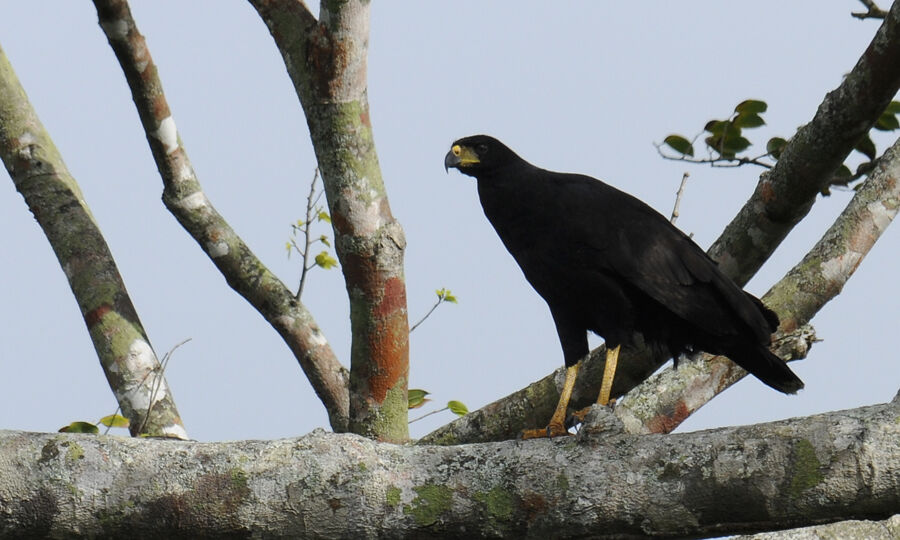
x=310, y=203
x=717, y=161
x=430, y=311
x=428, y=414
x=157, y=381
x=678, y=198
x=738, y=162
x=872, y=11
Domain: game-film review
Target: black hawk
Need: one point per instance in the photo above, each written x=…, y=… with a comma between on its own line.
x=606, y=262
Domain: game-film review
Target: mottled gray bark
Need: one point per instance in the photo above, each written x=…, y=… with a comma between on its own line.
x=888, y=529
x=824, y=468
x=53, y=196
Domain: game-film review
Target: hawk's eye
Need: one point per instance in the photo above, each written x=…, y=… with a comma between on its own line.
x=481, y=149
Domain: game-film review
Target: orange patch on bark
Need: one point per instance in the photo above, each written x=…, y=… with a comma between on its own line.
x=160, y=108
x=665, y=423
x=93, y=317
x=534, y=505
x=387, y=330
x=389, y=344
x=767, y=192
x=394, y=297
x=788, y=325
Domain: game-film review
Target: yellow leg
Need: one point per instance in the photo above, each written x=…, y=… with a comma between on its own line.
x=609, y=371
x=557, y=425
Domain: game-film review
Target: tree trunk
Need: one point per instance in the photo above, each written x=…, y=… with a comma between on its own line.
x=326, y=60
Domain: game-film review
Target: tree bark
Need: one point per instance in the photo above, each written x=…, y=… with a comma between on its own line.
x=184, y=197
x=888, y=529
x=326, y=60
x=53, y=196
x=804, y=471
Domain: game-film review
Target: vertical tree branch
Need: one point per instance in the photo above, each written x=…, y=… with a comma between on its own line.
x=184, y=197
x=53, y=196
x=326, y=60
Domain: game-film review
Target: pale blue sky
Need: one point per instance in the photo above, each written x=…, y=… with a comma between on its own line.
x=586, y=89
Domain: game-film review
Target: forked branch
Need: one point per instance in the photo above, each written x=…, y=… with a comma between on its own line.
x=184, y=197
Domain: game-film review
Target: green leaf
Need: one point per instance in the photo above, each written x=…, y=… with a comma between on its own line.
x=325, y=260
x=288, y=246
x=324, y=240
x=887, y=122
x=323, y=216
x=723, y=128
x=300, y=224
x=80, y=427
x=728, y=147
x=866, y=147
x=445, y=295
x=680, y=145
x=457, y=408
x=749, y=120
x=114, y=420
x=735, y=144
x=893, y=108
x=751, y=106
x=714, y=143
x=417, y=398
x=717, y=127
x=775, y=146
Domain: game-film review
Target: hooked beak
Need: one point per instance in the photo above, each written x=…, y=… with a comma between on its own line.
x=460, y=156
x=451, y=160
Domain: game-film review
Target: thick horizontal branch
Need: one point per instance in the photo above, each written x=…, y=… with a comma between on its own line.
x=823, y=468
x=887, y=529
x=184, y=197
x=53, y=196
